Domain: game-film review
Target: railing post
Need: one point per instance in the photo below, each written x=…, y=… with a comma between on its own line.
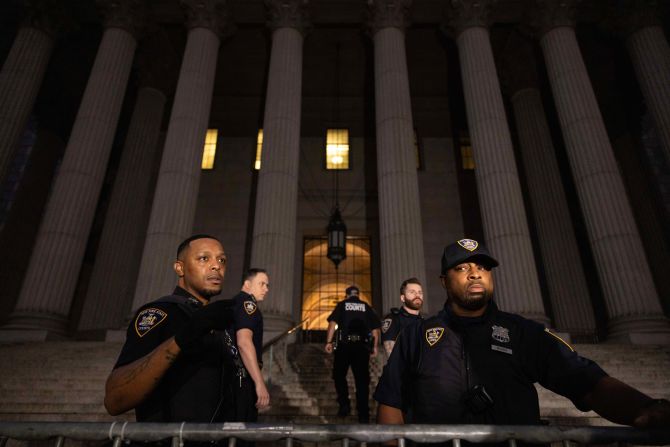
x=270, y=365
x=60, y=441
x=3, y=441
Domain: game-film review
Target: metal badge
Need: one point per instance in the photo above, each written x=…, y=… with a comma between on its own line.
x=500, y=334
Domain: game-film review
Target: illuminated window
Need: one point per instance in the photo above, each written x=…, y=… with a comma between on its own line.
x=337, y=149
x=467, y=160
x=259, y=149
x=324, y=286
x=209, y=151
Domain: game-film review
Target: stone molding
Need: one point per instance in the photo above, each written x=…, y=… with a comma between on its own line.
x=288, y=14
x=210, y=14
x=549, y=14
x=129, y=15
x=464, y=14
x=388, y=14
x=633, y=16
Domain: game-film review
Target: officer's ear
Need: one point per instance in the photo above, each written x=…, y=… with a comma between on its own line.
x=178, y=267
x=443, y=280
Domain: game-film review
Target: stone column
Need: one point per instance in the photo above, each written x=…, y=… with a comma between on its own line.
x=650, y=53
x=176, y=192
x=500, y=198
x=20, y=80
x=273, y=244
x=48, y=287
x=633, y=306
x=400, y=231
x=573, y=312
x=112, y=283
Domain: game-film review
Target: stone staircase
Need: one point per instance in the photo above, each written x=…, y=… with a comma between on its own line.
x=64, y=381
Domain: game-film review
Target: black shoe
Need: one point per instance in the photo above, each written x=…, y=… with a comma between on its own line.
x=344, y=411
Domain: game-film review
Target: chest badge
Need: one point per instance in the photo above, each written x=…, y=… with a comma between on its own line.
x=250, y=307
x=500, y=334
x=386, y=324
x=468, y=244
x=434, y=334
x=148, y=319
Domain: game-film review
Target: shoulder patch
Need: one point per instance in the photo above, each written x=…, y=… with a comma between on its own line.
x=148, y=319
x=434, y=334
x=250, y=307
x=559, y=339
x=386, y=324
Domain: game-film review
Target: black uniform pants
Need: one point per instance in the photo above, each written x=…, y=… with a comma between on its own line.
x=241, y=403
x=357, y=356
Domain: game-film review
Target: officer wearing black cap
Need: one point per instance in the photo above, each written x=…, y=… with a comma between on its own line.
x=473, y=363
x=171, y=367
x=358, y=336
x=411, y=297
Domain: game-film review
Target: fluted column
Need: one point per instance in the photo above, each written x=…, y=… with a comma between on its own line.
x=400, y=231
x=634, y=310
x=48, y=287
x=650, y=53
x=173, y=208
x=273, y=243
x=20, y=80
x=119, y=252
x=573, y=311
x=500, y=198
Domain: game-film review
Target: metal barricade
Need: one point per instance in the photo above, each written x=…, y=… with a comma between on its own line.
x=285, y=434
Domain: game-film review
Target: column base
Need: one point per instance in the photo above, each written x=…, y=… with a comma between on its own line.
x=33, y=326
x=642, y=330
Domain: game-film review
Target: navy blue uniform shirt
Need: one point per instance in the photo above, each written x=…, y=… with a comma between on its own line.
x=247, y=315
x=395, y=321
x=354, y=317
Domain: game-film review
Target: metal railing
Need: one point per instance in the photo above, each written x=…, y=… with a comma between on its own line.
x=119, y=432
x=271, y=347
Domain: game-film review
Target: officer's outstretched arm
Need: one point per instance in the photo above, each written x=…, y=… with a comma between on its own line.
x=330, y=334
x=375, y=341
x=128, y=385
x=623, y=404
x=245, y=343
x=388, y=347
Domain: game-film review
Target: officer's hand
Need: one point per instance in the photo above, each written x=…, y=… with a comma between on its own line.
x=329, y=348
x=263, y=396
x=656, y=415
x=217, y=315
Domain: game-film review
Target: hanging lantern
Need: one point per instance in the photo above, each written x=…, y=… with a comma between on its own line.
x=337, y=238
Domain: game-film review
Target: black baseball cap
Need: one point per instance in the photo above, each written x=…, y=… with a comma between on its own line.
x=463, y=250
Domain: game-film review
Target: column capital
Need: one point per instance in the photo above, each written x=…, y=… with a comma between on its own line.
x=46, y=15
x=464, y=14
x=157, y=64
x=287, y=14
x=632, y=16
x=388, y=14
x=549, y=14
x=518, y=70
x=129, y=15
x=210, y=14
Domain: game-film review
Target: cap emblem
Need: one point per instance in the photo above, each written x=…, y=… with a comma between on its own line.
x=469, y=244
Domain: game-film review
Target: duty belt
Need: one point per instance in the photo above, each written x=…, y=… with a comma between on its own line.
x=354, y=338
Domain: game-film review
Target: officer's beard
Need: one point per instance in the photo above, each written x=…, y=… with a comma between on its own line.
x=470, y=301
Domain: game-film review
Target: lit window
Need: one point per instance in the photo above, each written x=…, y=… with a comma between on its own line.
x=209, y=151
x=467, y=159
x=259, y=150
x=337, y=149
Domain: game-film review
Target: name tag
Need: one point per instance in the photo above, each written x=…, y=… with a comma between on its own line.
x=501, y=349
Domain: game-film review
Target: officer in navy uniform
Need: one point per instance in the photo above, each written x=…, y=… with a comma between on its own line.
x=171, y=366
x=358, y=336
x=248, y=391
x=473, y=363
x=411, y=297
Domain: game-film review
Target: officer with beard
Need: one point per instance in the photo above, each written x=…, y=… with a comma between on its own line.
x=411, y=296
x=474, y=364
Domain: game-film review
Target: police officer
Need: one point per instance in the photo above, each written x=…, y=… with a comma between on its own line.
x=411, y=297
x=473, y=363
x=358, y=335
x=247, y=387
x=171, y=365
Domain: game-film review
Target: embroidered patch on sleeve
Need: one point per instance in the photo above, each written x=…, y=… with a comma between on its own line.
x=148, y=319
x=250, y=307
x=386, y=324
x=434, y=334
